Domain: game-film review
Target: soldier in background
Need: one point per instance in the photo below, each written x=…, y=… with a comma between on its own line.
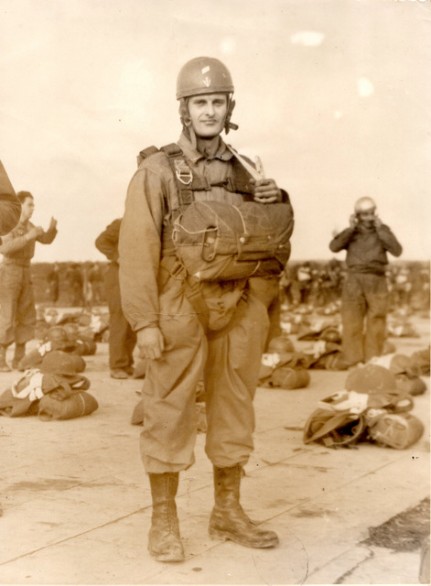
x=95, y=282
x=122, y=339
x=365, y=299
x=74, y=280
x=17, y=307
x=53, y=279
x=302, y=284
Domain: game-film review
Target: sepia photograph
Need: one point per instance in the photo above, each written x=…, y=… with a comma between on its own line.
x=215, y=255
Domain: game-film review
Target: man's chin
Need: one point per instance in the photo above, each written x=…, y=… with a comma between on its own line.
x=207, y=135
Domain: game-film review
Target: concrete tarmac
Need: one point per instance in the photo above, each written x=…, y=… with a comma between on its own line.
x=77, y=506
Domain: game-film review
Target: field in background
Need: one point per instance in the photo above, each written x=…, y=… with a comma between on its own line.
x=40, y=272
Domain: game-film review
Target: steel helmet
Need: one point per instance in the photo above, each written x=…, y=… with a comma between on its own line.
x=203, y=75
x=57, y=336
x=365, y=204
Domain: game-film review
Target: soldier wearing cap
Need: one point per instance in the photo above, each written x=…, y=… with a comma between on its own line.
x=180, y=352
x=17, y=308
x=365, y=296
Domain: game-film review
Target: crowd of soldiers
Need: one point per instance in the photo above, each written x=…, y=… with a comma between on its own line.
x=319, y=284
x=75, y=285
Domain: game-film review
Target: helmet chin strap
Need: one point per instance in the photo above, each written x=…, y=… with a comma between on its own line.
x=228, y=125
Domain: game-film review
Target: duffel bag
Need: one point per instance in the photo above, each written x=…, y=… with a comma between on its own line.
x=221, y=241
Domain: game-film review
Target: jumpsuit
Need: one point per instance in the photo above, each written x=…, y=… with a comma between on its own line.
x=153, y=294
x=17, y=308
x=122, y=339
x=365, y=299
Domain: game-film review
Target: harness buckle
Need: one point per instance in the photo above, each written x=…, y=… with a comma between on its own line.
x=183, y=172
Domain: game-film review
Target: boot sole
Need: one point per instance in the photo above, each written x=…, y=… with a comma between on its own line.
x=216, y=534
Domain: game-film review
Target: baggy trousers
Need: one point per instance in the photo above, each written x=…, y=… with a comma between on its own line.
x=122, y=339
x=17, y=309
x=364, y=308
x=229, y=365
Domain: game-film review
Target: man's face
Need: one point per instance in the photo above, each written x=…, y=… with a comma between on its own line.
x=367, y=218
x=207, y=114
x=27, y=209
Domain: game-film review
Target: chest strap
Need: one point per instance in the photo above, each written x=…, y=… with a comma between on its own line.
x=187, y=182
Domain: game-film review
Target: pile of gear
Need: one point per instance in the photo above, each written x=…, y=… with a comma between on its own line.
x=373, y=407
x=56, y=390
x=66, y=339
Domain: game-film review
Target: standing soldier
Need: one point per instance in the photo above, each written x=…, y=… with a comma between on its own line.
x=17, y=309
x=53, y=279
x=75, y=285
x=365, y=296
x=200, y=323
x=122, y=339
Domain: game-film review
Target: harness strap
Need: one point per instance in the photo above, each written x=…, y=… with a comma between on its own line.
x=188, y=182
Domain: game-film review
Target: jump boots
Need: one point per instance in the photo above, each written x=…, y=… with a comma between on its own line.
x=164, y=540
x=228, y=519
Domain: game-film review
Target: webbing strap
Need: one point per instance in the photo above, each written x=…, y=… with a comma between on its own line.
x=187, y=182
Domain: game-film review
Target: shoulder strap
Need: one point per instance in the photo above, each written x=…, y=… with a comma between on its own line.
x=145, y=153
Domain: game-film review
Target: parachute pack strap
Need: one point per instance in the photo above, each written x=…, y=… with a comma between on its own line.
x=241, y=180
x=145, y=153
x=190, y=286
x=188, y=182
x=183, y=174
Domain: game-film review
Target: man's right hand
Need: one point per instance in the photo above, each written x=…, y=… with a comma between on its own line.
x=353, y=221
x=150, y=343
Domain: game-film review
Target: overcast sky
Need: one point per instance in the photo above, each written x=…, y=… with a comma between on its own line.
x=333, y=95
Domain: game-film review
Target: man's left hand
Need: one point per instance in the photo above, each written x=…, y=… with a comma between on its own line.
x=377, y=221
x=266, y=191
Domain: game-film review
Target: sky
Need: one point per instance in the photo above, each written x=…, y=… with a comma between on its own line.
x=334, y=96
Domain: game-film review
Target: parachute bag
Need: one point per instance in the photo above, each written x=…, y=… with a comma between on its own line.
x=396, y=430
x=289, y=378
x=332, y=429
x=220, y=241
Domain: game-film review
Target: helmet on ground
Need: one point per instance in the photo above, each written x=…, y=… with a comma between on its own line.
x=57, y=336
x=280, y=345
x=365, y=204
x=72, y=330
x=203, y=75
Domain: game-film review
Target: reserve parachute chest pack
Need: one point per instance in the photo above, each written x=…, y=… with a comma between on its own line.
x=217, y=240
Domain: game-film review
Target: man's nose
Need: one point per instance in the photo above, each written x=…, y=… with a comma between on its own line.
x=210, y=110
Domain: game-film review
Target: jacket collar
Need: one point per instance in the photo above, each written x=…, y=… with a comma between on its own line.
x=222, y=153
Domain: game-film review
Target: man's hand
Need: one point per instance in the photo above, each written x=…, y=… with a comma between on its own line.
x=266, y=191
x=34, y=232
x=150, y=343
x=52, y=224
x=377, y=221
x=353, y=221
